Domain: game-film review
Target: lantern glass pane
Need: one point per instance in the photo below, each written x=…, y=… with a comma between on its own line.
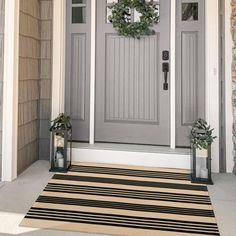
x=69, y=148
x=59, y=142
x=201, y=164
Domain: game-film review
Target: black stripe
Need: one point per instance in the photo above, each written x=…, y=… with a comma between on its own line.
x=126, y=206
x=131, y=172
x=129, y=222
x=131, y=191
x=125, y=195
x=121, y=225
x=130, y=182
x=170, y=221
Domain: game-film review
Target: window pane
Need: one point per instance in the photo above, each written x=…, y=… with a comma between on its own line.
x=108, y=13
x=78, y=15
x=133, y=15
x=111, y=1
x=157, y=1
x=190, y=11
x=128, y=16
x=157, y=9
x=137, y=16
x=78, y=1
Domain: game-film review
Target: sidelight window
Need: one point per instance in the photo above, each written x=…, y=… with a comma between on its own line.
x=78, y=11
x=190, y=11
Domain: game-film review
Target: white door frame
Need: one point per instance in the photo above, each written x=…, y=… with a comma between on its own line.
x=10, y=91
x=172, y=72
x=92, y=73
x=212, y=68
x=58, y=56
x=228, y=87
x=212, y=73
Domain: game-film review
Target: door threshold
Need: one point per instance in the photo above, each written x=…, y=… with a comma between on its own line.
x=132, y=148
x=129, y=154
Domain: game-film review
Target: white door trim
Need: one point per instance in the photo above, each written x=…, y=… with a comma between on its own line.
x=212, y=71
x=92, y=73
x=10, y=91
x=172, y=73
x=212, y=74
x=228, y=88
x=58, y=55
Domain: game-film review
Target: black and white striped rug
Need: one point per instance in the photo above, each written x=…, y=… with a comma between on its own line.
x=124, y=200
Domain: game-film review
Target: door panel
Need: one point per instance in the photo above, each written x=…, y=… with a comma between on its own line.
x=77, y=67
x=189, y=42
x=78, y=77
x=131, y=105
x=190, y=67
x=131, y=84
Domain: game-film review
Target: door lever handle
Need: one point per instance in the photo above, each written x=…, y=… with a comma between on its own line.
x=165, y=69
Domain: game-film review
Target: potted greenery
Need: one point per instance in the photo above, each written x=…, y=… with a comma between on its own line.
x=201, y=136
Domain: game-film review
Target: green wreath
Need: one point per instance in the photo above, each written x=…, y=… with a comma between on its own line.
x=120, y=18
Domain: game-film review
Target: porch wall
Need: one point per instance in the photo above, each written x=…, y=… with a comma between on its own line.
x=34, y=81
x=29, y=64
x=2, y=7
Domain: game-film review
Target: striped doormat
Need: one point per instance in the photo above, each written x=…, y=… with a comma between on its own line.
x=124, y=200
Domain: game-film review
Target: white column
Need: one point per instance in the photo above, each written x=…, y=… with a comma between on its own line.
x=92, y=72
x=58, y=64
x=212, y=75
x=10, y=91
x=228, y=88
x=172, y=73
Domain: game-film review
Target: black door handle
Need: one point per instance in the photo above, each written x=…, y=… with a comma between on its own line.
x=165, y=69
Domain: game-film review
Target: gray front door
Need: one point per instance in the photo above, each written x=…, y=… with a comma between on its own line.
x=190, y=67
x=131, y=104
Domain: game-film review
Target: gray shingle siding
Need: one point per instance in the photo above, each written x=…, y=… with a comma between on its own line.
x=34, y=81
x=29, y=66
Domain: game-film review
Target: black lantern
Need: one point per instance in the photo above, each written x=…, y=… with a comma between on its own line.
x=61, y=144
x=201, y=139
x=201, y=166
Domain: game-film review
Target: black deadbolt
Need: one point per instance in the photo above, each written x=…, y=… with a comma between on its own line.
x=165, y=55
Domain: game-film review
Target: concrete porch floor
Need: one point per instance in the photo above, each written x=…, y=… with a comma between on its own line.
x=17, y=197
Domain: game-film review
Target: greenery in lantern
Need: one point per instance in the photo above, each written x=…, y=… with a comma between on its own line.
x=201, y=136
x=121, y=17
x=61, y=122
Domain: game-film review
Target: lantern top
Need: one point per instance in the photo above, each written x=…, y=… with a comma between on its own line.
x=62, y=122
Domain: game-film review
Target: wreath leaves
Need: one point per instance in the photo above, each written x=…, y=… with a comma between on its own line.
x=121, y=18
